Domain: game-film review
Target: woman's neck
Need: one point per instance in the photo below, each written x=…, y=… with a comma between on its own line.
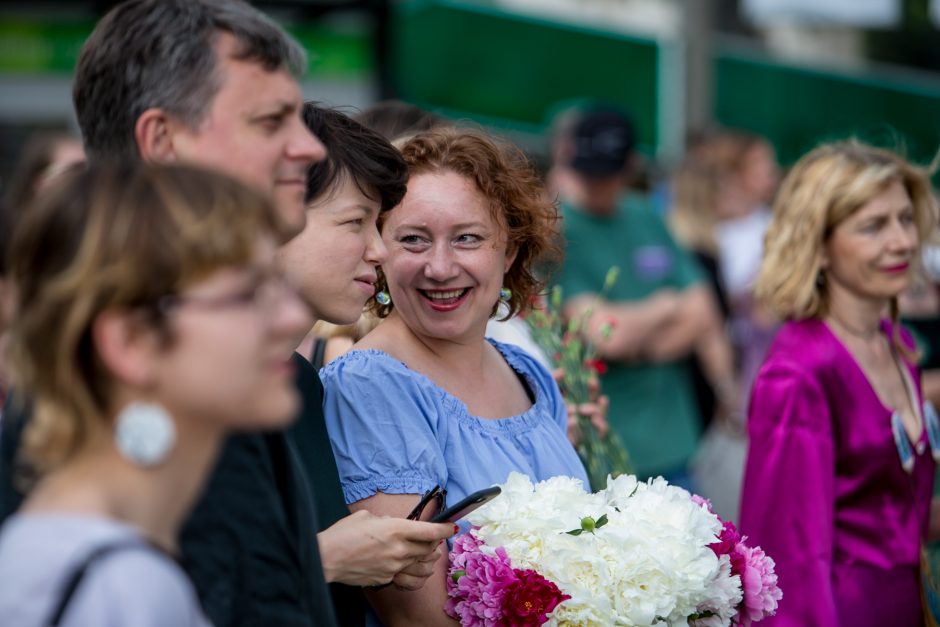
x=856, y=317
x=423, y=353
x=155, y=500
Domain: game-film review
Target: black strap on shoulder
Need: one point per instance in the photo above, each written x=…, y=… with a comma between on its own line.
x=318, y=354
x=78, y=574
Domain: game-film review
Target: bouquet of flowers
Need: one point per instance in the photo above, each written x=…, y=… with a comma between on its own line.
x=568, y=349
x=632, y=554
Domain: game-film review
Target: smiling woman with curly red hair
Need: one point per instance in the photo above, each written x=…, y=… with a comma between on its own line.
x=425, y=399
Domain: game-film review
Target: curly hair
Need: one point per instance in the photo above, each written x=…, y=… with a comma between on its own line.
x=514, y=192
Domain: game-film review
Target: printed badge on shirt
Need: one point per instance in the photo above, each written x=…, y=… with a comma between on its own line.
x=652, y=263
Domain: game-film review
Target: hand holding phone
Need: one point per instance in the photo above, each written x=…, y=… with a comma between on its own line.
x=451, y=514
x=467, y=505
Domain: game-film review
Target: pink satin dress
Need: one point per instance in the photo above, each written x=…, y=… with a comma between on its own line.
x=824, y=491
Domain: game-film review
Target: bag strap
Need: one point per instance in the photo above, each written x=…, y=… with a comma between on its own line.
x=78, y=573
x=318, y=354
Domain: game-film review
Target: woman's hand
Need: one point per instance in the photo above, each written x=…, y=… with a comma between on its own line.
x=404, y=604
x=366, y=550
x=595, y=410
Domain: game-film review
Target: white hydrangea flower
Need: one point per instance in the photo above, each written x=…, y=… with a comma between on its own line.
x=724, y=593
x=649, y=563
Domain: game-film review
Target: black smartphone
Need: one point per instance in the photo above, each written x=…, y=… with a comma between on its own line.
x=465, y=506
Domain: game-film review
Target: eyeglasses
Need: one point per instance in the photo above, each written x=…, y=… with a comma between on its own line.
x=437, y=494
x=265, y=294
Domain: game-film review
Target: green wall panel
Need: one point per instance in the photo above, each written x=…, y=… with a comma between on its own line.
x=490, y=64
x=797, y=108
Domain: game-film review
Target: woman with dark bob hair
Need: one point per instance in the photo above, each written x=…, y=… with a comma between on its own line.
x=150, y=322
x=839, y=472
x=425, y=399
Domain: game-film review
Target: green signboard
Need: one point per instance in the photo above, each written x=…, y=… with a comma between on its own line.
x=511, y=69
x=41, y=47
x=797, y=108
x=52, y=47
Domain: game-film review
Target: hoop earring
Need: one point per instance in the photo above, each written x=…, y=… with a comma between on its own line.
x=383, y=298
x=144, y=433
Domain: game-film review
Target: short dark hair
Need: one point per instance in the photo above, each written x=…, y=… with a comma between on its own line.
x=32, y=167
x=160, y=53
x=395, y=119
x=353, y=150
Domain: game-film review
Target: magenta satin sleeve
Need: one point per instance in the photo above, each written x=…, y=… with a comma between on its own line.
x=787, y=504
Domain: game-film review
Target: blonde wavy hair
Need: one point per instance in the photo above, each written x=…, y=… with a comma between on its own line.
x=111, y=238
x=823, y=189
x=692, y=217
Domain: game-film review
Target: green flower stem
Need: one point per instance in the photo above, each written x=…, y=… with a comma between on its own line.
x=569, y=348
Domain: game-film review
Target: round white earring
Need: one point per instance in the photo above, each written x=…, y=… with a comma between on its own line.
x=144, y=433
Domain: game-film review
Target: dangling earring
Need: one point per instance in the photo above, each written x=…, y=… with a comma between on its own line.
x=144, y=433
x=504, y=294
x=383, y=298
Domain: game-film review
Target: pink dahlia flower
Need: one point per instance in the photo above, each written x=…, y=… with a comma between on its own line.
x=728, y=540
x=759, y=582
x=475, y=598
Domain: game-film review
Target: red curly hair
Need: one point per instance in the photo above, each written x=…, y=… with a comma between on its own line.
x=515, y=194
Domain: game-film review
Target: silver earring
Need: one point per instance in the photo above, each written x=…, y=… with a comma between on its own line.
x=505, y=294
x=144, y=433
x=383, y=298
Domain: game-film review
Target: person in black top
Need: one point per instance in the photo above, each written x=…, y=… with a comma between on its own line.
x=213, y=82
x=334, y=264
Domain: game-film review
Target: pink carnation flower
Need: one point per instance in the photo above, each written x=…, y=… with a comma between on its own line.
x=729, y=537
x=759, y=583
x=728, y=540
x=700, y=500
x=475, y=599
x=485, y=591
x=756, y=569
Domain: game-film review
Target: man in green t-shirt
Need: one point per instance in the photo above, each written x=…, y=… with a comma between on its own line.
x=660, y=309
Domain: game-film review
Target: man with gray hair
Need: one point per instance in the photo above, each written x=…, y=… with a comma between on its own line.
x=214, y=83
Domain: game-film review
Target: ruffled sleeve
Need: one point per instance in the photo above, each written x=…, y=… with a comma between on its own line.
x=788, y=496
x=385, y=425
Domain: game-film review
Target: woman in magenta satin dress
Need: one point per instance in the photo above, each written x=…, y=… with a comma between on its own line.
x=840, y=469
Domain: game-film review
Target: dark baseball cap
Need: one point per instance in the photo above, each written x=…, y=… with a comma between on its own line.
x=602, y=140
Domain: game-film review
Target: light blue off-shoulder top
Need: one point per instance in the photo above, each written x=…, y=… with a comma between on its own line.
x=393, y=430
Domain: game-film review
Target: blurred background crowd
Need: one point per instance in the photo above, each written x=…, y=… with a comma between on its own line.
x=710, y=99
x=662, y=127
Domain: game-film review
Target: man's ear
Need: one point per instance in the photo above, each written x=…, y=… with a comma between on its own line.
x=127, y=345
x=153, y=133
